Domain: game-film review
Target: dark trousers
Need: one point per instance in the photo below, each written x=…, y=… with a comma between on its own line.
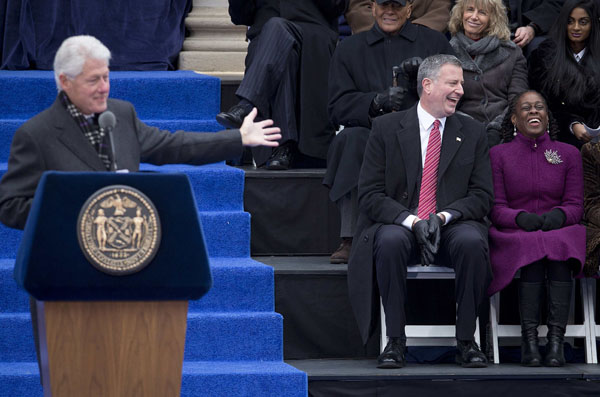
x=271, y=78
x=462, y=248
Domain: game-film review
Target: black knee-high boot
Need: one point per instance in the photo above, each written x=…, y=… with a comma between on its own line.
x=530, y=296
x=559, y=304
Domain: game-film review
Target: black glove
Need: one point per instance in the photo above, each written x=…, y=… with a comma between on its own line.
x=529, y=222
x=421, y=231
x=388, y=100
x=553, y=219
x=410, y=68
x=435, y=230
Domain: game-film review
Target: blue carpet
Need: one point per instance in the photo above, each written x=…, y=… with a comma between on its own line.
x=237, y=311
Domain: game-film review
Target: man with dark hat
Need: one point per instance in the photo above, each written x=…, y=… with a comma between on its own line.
x=362, y=87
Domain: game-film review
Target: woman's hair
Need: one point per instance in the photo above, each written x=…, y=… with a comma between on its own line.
x=507, y=127
x=565, y=77
x=498, y=25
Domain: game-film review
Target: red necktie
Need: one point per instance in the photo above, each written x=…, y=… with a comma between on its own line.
x=430, y=173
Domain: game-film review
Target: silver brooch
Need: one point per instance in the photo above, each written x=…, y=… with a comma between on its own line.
x=552, y=157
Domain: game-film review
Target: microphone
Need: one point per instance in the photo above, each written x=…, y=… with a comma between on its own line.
x=107, y=121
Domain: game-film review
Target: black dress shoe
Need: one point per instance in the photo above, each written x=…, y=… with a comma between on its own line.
x=393, y=354
x=469, y=355
x=281, y=158
x=234, y=117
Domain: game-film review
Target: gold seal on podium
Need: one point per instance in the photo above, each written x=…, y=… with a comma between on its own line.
x=119, y=230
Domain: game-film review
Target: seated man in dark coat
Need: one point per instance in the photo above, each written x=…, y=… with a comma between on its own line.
x=361, y=89
x=291, y=43
x=67, y=136
x=425, y=187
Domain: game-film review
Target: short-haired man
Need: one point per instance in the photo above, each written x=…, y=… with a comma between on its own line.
x=361, y=88
x=67, y=136
x=424, y=188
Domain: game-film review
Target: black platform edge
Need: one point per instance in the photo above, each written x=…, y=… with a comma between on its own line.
x=302, y=265
x=365, y=370
x=253, y=172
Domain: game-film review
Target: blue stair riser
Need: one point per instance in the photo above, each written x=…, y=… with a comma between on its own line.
x=8, y=127
x=238, y=285
x=216, y=187
x=225, y=233
x=199, y=379
x=237, y=336
x=156, y=95
x=242, y=336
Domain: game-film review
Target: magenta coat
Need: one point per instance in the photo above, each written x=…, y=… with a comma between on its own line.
x=525, y=180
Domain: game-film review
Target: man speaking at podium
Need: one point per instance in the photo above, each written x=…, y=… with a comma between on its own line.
x=71, y=136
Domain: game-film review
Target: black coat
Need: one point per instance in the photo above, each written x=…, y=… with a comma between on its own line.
x=362, y=66
x=541, y=12
x=388, y=189
x=318, y=22
x=565, y=112
x=52, y=140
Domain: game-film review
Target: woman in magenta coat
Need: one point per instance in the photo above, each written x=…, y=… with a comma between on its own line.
x=538, y=204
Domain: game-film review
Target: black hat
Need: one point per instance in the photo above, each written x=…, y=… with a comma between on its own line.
x=401, y=2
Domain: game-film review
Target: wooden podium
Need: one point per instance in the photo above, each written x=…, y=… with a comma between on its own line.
x=103, y=334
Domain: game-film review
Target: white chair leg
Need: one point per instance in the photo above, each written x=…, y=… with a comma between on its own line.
x=494, y=318
x=589, y=307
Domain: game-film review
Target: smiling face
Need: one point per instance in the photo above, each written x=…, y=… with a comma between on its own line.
x=475, y=21
x=440, y=96
x=579, y=27
x=531, y=115
x=391, y=16
x=89, y=90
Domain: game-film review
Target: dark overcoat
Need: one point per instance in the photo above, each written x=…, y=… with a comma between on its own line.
x=541, y=12
x=52, y=140
x=389, y=188
x=362, y=66
x=318, y=22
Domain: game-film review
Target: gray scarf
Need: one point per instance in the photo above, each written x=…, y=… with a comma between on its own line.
x=478, y=49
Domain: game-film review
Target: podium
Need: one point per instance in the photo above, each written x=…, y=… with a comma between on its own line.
x=105, y=330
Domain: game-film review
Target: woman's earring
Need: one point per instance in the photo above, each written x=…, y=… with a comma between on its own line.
x=514, y=130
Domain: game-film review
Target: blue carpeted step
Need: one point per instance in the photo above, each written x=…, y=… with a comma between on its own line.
x=216, y=187
x=16, y=337
x=199, y=379
x=248, y=379
x=239, y=336
x=12, y=298
x=210, y=336
x=239, y=284
x=227, y=233
x=172, y=95
x=20, y=379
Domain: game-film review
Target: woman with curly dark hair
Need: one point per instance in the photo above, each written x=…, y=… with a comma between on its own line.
x=538, y=204
x=566, y=69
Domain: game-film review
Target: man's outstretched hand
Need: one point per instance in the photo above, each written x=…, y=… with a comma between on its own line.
x=260, y=133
